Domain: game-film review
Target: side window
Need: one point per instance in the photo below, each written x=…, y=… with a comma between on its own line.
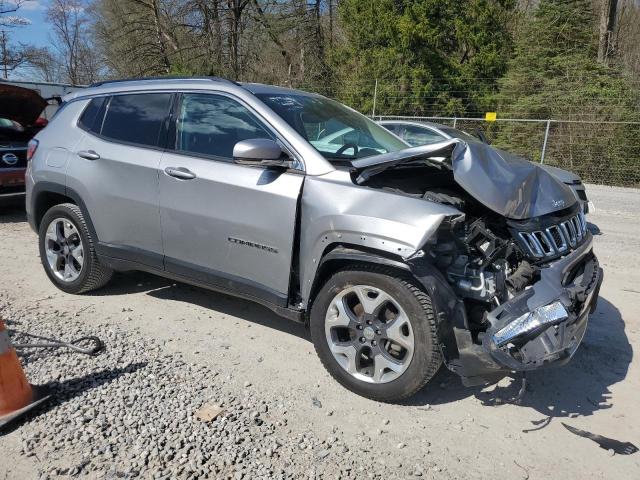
x=88, y=119
x=393, y=127
x=415, y=136
x=212, y=125
x=136, y=118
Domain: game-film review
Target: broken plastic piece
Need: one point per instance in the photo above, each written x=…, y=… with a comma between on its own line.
x=621, y=448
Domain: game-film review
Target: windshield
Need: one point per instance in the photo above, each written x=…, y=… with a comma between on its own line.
x=336, y=131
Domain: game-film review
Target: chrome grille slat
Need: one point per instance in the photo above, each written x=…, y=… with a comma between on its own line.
x=556, y=239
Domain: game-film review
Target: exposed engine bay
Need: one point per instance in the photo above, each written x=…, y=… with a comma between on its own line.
x=495, y=266
x=477, y=253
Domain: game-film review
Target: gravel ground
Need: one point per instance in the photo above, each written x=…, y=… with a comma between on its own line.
x=131, y=411
x=171, y=349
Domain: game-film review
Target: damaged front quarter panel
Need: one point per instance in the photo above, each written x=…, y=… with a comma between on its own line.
x=463, y=247
x=337, y=212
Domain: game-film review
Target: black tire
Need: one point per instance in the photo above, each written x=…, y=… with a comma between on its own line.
x=93, y=274
x=417, y=305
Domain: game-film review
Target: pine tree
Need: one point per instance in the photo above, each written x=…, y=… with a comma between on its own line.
x=429, y=56
x=555, y=74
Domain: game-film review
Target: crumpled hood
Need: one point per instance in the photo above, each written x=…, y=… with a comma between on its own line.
x=565, y=176
x=22, y=105
x=505, y=183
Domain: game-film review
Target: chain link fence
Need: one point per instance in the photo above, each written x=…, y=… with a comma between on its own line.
x=595, y=134
x=601, y=152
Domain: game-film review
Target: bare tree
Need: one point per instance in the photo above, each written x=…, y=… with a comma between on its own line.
x=268, y=40
x=11, y=6
x=44, y=64
x=12, y=56
x=72, y=41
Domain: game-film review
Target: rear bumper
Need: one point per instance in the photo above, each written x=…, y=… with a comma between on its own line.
x=573, y=281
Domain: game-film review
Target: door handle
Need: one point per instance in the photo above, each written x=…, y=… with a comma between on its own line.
x=88, y=154
x=180, y=172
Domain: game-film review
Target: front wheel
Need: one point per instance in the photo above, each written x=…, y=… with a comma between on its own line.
x=67, y=251
x=374, y=331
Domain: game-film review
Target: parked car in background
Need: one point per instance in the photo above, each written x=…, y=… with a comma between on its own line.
x=397, y=258
x=424, y=133
x=20, y=110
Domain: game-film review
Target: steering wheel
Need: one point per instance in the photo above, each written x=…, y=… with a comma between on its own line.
x=347, y=146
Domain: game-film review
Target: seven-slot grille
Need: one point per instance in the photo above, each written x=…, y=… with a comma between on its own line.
x=556, y=239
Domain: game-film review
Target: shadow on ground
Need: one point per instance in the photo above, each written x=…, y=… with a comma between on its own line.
x=577, y=389
x=165, y=289
x=61, y=392
x=12, y=210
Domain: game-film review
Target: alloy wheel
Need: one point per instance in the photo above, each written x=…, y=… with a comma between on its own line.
x=369, y=334
x=64, y=250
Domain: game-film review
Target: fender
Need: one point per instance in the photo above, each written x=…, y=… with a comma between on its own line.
x=41, y=188
x=334, y=211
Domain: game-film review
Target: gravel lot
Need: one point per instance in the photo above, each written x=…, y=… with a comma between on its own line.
x=170, y=349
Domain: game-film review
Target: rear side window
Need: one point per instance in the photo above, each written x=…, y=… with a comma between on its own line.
x=415, y=136
x=392, y=127
x=212, y=124
x=136, y=118
x=88, y=119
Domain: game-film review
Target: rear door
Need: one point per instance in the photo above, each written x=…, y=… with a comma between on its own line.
x=224, y=224
x=114, y=169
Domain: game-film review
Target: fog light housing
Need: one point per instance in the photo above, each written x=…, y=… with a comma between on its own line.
x=541, y=316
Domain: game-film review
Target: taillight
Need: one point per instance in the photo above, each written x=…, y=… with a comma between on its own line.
x=32, y=146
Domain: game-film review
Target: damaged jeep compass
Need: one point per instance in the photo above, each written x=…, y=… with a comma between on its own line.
x=398, y=259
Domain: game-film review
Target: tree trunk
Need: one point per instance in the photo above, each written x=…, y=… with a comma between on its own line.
x=319, y=36
x=160, y=40
x=606, y=44
x=5, y=57
x=330, y=24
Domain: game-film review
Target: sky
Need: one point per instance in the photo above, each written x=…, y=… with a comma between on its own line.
x=38, y=32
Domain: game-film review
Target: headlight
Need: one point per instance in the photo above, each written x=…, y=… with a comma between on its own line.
x=545, y=315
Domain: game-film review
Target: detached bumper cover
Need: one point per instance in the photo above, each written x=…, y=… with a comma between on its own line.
x=574, y=283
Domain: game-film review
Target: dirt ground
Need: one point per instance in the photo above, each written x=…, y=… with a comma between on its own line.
x=467, y=432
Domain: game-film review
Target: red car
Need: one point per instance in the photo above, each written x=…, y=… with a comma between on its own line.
x=20, y=110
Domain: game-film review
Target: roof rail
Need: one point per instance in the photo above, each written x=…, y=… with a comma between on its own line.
x=169, y=77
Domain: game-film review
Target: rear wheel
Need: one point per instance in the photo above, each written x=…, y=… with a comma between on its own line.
x=375, y=333
x=67, y=251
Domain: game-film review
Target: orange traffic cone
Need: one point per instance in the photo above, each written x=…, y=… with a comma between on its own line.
x=17, y=396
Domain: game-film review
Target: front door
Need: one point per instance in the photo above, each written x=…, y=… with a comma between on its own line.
x=224, y=224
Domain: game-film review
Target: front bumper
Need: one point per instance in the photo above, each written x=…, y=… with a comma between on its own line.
x=574, y=281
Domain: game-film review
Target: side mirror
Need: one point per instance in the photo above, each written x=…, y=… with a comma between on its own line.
x=260, y=152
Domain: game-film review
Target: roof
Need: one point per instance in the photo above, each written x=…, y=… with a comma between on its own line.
x=163, y=83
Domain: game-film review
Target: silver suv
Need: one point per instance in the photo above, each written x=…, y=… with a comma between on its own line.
x=397, y=258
